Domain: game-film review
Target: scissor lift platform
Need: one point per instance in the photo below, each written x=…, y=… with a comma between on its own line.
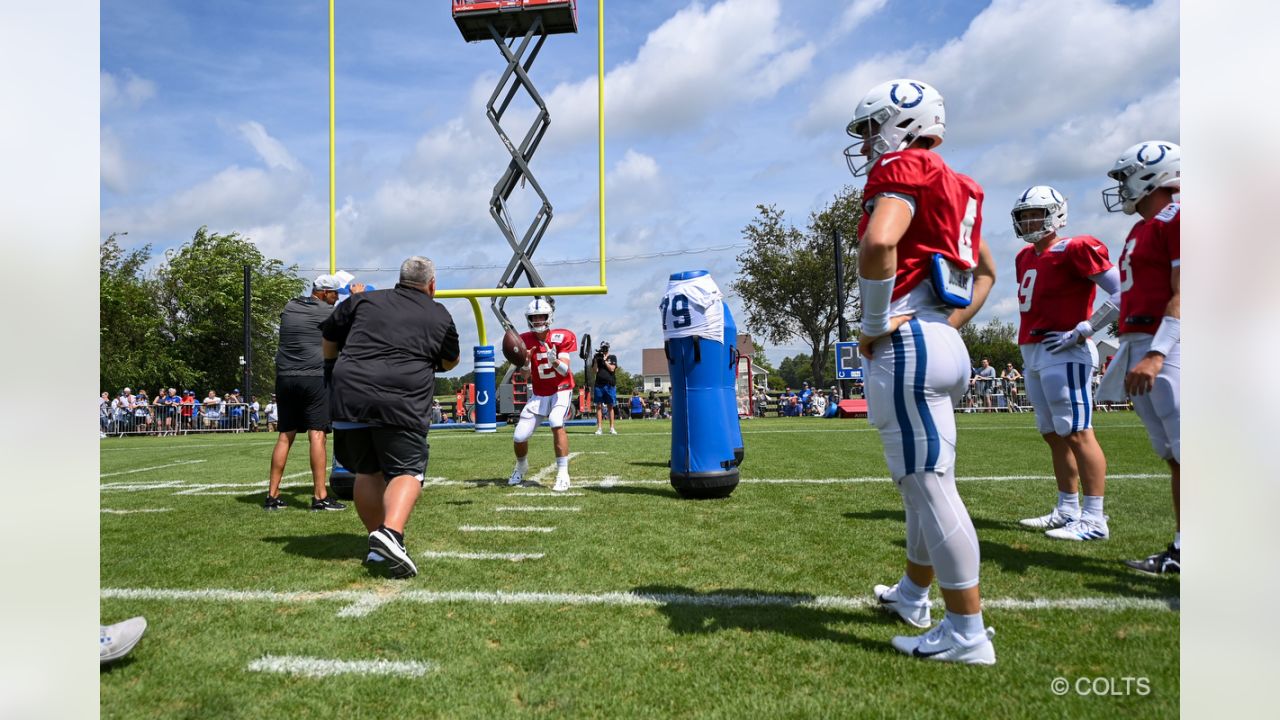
x=513, y=18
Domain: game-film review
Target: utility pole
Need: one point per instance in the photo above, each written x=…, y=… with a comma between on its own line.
x=843, y=326
x=246, y=360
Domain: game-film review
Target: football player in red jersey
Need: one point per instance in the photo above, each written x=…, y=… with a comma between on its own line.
x=1057, y=280
x=923, y=272
x=550, y=350
x=1149, y=177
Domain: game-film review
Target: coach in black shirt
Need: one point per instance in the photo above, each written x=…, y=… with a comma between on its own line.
x=302, y=403
x=383, y=349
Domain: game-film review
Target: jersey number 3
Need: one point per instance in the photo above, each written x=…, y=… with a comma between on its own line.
x=1126, y=271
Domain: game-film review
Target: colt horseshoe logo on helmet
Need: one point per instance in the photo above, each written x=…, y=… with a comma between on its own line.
x=893, y=95
x=1163, y=149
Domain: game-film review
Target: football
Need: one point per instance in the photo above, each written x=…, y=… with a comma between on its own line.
x=513, y=349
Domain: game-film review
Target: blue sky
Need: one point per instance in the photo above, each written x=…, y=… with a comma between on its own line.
x=216, y=114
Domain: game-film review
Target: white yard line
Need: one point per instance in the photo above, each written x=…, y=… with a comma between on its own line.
x=533, y=508
x=545, y=494
x=361, y=603
x=148, y=469
x=314, y=667
x=509, y=557
x=113, y=511
x=504, y=528
x=546, y=471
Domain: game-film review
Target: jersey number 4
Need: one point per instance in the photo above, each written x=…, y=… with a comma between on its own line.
x=679, y=306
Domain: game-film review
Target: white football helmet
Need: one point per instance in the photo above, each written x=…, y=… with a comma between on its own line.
x=539, y=306
x=1141, y=169
x=891, y=117
x=1040, y=197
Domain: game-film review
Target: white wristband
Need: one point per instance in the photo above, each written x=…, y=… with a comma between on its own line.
x=876, y=298
x=562, y=367
x=1167, y=335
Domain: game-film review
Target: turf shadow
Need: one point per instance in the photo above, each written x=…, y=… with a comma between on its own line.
x=646, y=463
x=798, y=621
x=634, y=490
x=330, y=546
x=296, y=500
x=897, y=516
x=1110, y=574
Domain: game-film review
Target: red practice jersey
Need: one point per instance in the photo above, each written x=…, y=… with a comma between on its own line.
x=1054, y=289
x=948, y=215
x=543, y=360
x=1151, y=252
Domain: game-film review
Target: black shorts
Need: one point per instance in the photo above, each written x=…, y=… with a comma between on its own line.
x=303, y=403
x=388, y=450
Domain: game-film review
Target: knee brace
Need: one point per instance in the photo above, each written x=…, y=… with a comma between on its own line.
x=525, y=426
x=945, y=527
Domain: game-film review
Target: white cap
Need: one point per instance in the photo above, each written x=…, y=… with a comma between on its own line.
x=325, y=282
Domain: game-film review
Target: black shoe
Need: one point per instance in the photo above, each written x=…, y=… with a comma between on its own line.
x=1166, y=562
x=327, y=503
x=274, y=503
x=385, y=544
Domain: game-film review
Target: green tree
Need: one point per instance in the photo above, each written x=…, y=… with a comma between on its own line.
x=200, y=288
x=135, y=345
x=787, y=276
x=996, y=341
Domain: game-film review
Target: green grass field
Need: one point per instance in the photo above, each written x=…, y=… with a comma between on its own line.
x=642, y=605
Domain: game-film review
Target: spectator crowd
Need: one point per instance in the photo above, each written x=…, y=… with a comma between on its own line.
x=168, y=412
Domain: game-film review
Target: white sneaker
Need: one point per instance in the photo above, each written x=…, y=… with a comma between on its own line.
x=1055, y=519
x=612, y=431
x=600, y=431
x=562, y=481
x=1086, y=528
x=115, y=641
x=517, y=477
x=943, y=644
x=911, y=613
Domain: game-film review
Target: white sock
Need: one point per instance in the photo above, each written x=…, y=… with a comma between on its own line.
x=1093, y=506
x=522, y=464
x=1069, y=503
x=562, y=463
x=911, y=592
x=967, y=626
x=1177, y=541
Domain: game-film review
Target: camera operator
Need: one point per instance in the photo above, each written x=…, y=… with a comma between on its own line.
x=605, y=392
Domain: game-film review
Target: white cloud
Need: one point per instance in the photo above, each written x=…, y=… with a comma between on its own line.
x=113, y=168
x=1056, y=151
x=232, y=199
x=857, y=13
x=1024, y=63
x=700, y=61
x=271, y=150
x=128, y=91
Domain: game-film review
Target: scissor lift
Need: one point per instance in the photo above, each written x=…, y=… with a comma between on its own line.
x=519, y=28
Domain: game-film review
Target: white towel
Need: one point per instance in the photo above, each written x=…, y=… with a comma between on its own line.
x=1111, y=389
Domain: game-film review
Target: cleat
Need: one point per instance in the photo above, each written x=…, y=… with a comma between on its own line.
x=115, y=641
x=562, y=481
x=599, y=431
x=912, y=614
x=383, y=543
x=274, y=503
x=613, y=431
x=517, y=477
x=942, y=644
x=1166, y=562
x=1055, y=519
x=326, y=503
x=1086, y=528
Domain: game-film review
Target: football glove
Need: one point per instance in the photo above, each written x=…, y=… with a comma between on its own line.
x=1059, y=341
